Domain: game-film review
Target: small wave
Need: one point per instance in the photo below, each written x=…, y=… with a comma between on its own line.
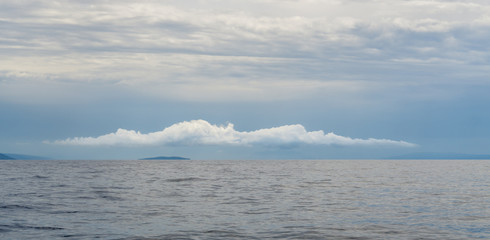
x=190, y=179
x=107, y=195
x=76, y=236
x=3, y=229
x=121, y=188
x=230, y=234
x=91, y=172
x=20, y=226
x=86, y=197
x=257, y=212
x=44, y=228
x=59, y=186
x=65, y=212
x=15, y=206
x=206, y=234
x=111, y=198
x=40, y=177
x=308, y=234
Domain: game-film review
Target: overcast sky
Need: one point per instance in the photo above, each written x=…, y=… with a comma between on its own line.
x=250, y=79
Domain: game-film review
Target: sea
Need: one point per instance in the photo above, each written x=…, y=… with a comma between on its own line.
x=245, y=199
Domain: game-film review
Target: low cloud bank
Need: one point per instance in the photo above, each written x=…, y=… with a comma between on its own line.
x=200, y=132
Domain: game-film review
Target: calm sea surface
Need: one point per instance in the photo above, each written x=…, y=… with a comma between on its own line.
x=245, y=199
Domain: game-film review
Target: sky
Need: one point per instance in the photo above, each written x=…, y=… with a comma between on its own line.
x=257, y=79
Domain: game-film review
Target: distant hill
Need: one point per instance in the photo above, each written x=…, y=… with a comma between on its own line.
x=5, y=157
x=432, y=155
x=165, y=158
x=12, y=156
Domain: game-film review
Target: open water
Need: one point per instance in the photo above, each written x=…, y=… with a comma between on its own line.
x=327, y=199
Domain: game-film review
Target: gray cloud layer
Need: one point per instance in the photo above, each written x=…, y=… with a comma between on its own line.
x=200, y=132
x=220, y=50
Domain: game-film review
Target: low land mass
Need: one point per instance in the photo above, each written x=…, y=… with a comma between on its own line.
x=166, y=158
x=5, y=157
x=435, y=155
x=15, y=156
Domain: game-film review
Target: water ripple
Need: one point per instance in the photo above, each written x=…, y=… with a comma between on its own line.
x=131, y=200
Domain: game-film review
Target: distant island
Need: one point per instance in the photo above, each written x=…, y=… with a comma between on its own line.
x=14, y=156
x=5, y=157
x=165, y=158
x=436, y=155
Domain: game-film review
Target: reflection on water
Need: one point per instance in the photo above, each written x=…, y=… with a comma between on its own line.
x=245, y=199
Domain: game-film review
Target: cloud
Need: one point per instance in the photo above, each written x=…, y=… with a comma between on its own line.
x=200, y=132
x=218, y=50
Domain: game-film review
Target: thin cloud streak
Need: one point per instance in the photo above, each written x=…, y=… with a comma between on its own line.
x=201, y=132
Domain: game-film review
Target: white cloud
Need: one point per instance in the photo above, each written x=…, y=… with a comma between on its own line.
x=200, y=132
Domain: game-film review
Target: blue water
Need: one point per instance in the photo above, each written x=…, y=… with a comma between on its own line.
x=297, y=199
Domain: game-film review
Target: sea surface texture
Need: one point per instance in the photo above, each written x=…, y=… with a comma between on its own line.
x=272, y=199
